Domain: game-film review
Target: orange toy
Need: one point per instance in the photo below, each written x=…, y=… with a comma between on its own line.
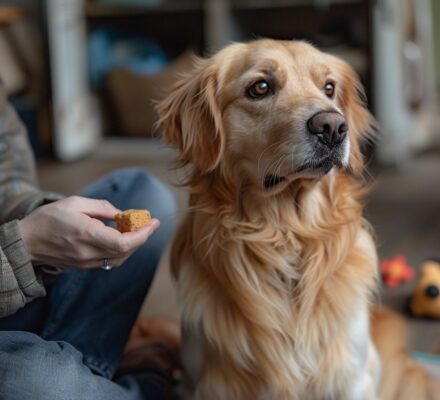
x=396, y=271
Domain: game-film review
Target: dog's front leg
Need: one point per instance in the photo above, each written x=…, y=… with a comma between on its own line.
x=192, y=362
x=366, y=385
x=209, y=375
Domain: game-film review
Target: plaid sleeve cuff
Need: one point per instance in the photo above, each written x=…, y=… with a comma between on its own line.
x=19, y=284
x=40, y=200
x=29, y=201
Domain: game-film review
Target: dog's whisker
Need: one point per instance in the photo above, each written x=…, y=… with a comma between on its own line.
x=273, y=166
x=278, y=143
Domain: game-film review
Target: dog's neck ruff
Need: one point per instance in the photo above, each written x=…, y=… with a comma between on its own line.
x=261, y=274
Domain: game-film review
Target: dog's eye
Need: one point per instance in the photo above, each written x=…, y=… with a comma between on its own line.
x=259, y=90
x=329, y=89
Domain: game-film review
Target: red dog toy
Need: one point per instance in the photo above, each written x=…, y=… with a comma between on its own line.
x=396, y=271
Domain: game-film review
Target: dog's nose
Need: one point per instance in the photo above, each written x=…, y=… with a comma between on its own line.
x=330, y=127
x=432, y=291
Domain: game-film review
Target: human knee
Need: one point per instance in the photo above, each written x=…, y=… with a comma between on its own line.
x=144, y=182
x=146, y=191
x=33, y=368
x=143, y=190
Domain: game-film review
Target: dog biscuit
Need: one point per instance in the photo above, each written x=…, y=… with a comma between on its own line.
x=132, y=220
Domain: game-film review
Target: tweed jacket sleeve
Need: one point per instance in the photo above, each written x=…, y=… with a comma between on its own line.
x=19, y=195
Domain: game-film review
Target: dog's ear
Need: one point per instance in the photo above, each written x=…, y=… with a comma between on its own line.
x=361, y=123
x=190, y=117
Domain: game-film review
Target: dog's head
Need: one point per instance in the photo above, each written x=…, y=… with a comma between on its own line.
x=268, y=113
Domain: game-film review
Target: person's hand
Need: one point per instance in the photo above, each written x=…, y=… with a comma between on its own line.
x=153, y=345
x=68, y=234
x=163, y=329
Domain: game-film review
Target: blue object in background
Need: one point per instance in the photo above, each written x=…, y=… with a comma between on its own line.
x=109, y=49
x=28, y=113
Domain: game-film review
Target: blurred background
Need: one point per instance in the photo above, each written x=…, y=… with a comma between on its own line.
x=84, y=74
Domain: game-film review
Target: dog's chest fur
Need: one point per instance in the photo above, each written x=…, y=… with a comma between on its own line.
x=280, y=311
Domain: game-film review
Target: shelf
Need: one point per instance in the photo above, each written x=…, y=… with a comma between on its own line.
x=97, y=10
x=273, y=4
x=11, y=14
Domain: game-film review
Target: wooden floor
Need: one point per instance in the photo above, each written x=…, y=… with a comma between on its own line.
x=404, y=209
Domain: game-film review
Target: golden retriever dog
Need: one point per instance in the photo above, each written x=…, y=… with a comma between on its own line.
x=275, y=265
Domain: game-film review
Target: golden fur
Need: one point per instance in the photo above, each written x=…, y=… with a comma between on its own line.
x=275, y=284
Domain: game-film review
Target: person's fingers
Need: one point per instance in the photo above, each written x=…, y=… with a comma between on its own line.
x=116, y=262
x=100, y=263
x=121, y=243
x=164, y=328
x=70, y=263
x=147, y=355
x=133, y=240
x=93, y=208
x=97, y=222
x=73, y=264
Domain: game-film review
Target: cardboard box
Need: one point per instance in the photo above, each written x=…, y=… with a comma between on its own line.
x=134, y=96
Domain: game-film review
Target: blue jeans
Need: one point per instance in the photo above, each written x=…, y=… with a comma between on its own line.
x=67, y=345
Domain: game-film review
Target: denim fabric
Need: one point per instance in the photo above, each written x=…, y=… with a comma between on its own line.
x=67, y=345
